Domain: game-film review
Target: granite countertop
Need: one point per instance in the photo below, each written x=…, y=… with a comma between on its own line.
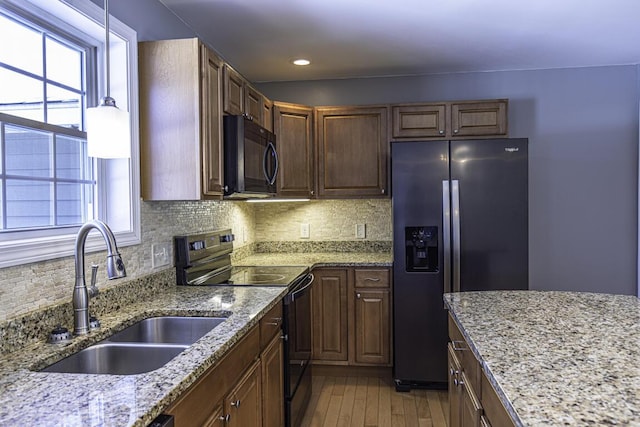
x=28, y=397
x=556, y=358
x=320, y=259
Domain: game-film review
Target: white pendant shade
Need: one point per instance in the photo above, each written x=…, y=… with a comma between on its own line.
x=108, y=133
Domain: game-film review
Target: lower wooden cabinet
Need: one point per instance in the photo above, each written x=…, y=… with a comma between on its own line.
x=243, y=405
x=472, y=400
x=352, y=317
x=244, y=389
x=272, y=384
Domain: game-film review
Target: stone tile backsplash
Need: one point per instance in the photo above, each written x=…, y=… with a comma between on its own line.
x=267, y=227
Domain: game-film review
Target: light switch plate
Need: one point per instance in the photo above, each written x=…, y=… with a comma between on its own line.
x=160, y=254
x=361, y=231
x=304, y=231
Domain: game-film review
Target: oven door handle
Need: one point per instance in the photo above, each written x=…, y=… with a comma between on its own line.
x=289, y=298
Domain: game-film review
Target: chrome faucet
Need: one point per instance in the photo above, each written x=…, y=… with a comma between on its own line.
x=115, y=270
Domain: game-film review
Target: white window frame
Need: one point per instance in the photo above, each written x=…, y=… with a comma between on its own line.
x=118, y=205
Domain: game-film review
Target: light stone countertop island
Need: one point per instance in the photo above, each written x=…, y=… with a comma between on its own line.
x=556, y=358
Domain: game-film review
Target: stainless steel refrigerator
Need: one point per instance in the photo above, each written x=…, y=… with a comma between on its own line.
x=460, y=223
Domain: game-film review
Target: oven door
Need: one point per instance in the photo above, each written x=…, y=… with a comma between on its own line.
x=297, y=350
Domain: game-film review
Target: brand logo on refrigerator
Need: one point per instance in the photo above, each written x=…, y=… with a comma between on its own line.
x=511, y=149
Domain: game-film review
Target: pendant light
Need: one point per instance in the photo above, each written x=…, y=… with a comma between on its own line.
x=108, y=133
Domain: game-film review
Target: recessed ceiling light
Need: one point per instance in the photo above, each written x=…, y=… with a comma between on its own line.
x=301, y=61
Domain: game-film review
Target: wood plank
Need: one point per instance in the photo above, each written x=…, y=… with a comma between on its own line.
x=348, y=399
x=436, y=408
x=333, y=410
x=371, y=408
x=360, y=401
x=338, y=387
x=384, y=405
x=322, y=406
x=410, y=410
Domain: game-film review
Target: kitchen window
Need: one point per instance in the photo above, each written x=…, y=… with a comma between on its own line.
x=49, y=74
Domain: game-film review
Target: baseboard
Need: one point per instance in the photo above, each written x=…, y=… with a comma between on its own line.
x=351, y=371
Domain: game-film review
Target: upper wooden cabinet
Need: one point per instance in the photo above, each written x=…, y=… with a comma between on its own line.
x=267, y=114
x=450, y=120
x=352, y=151
x=180, y=120
x=241, y=98
x=233, y=91
x=293, y=126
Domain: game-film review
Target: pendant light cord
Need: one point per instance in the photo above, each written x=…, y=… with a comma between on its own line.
x=106, y=47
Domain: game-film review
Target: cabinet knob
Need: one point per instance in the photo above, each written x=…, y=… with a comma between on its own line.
x=358, y=295
x=382, y=191
x=458, y=382
x=225, y=418
x=455, y=131
x=453, y=372
x=284, y=337
x=312, y=192
x=441, y=132
x=236, y=404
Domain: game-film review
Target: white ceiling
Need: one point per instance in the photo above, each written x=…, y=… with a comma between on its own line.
x=356, y=38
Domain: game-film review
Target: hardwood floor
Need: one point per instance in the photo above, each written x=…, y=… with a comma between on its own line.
x=372, y=401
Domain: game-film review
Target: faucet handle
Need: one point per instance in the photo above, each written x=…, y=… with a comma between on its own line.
x=93, y=290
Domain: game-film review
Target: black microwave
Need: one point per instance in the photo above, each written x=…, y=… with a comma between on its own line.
x=250, y=159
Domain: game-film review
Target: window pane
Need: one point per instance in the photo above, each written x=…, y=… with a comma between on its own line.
x=21, y=46
x=20, y=95
x=29, y=203
x=64, y=108
x=64, y=64
x=72, y=161
x=28, y=152
x=73, y=203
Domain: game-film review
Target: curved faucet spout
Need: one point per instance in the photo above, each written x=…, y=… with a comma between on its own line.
x=115, y=270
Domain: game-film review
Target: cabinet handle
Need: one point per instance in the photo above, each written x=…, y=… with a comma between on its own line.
x=225, y=418
x=372, y=279
x=459, y=345
x=236, y=404
x=276, y=321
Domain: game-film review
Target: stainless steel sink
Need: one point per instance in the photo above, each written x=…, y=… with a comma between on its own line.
x=142, y=347
x=117, y=359
x=167, y=329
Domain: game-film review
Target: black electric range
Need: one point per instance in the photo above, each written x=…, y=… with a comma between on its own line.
x=205, y=260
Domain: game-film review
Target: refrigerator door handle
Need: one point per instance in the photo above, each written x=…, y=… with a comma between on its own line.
x=446, y=235
x=455, y=202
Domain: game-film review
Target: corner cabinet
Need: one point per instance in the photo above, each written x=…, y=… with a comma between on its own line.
x=450, y=120
x=352, y=151
x=180, y=120
x=293, y=126
x=352, y=317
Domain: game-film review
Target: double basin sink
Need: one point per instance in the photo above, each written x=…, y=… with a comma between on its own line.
x=142, y=347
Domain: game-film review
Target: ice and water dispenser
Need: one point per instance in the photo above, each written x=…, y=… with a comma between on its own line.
x=421, y=247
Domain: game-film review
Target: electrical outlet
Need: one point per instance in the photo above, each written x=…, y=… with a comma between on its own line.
x=244, y=235
x=304, y=231
x=361, y=231
x=160, y=254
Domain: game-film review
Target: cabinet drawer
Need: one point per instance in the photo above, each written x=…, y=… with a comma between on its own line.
x=372, y=278
x=270, y=324
x=494, y=410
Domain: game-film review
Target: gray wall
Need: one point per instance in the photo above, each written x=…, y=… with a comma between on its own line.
x=583, y=130
x=582, y=125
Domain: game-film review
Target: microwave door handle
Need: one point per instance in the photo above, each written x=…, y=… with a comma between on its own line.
x=265, y=160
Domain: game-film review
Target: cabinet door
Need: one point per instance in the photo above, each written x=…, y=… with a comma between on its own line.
x=244, y=403
x=233, y=91
x=272, y=384
x=253, y=104
x=419, y=121
x=482, y=118
x=455, y=395
x=471, y=411
x=330, y=327
x=267, y=114
x=211, y=123
x=352, y=151
x=293, y=127
x=372, y=317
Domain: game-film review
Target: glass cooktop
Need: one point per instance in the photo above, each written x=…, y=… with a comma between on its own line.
x=266, y=275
